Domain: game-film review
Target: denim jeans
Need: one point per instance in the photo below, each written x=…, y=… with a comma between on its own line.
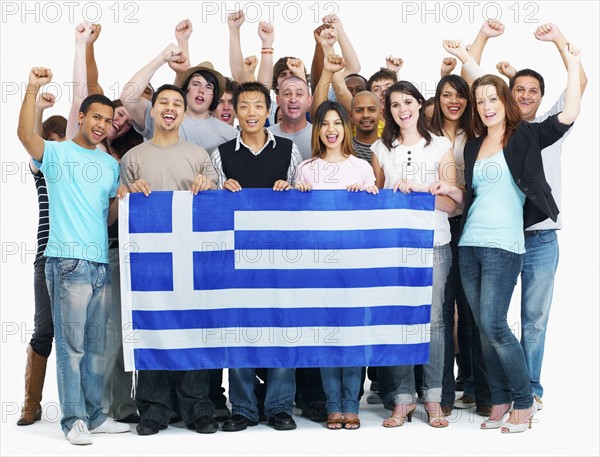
x=489, y=276
x=472, y=365
x=216, y=390
x=309, y=387
x=43, y=325
x=159, y=393
x=79, y=292
x=404, y=375
x=117, y=401
x=537, y=283
x=281, y=388
x=342, y=388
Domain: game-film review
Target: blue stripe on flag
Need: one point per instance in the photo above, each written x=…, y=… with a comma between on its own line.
x=208, y=215
x=332, y=239
x=215, y=270
x=280, y=357
x=151, y=271
x=152, y=214
x=281, y=317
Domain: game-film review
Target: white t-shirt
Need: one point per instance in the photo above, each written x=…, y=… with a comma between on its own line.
x=420, y=164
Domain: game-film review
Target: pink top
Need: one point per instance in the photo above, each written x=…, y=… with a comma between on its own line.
x=321, y=174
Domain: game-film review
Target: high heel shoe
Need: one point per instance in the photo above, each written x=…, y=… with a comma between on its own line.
x=398, y=421
x=436, y=417
x=509, y=427
x=489, y=424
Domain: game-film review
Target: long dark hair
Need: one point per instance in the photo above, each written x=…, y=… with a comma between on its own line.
x=511, y=109
x=318, y=147
x=462, y=88
x=119, y=146
x=391, y=131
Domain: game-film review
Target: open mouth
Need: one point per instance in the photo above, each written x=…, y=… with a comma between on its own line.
x=252, y=122
x=453, y=109
x=226, y=117
x=98, y=134
x=168, y=118
x=331, y=139
x=405, y=117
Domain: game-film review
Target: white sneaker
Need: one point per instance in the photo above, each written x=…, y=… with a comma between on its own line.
x=111, y=426
x=79, y=434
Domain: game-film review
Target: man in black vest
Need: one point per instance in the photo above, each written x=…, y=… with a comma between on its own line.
x=257, y=159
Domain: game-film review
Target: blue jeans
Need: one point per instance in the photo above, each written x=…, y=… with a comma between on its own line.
x=537, y=283
x=404, y=375
x=342, y=388
x=80, y=296
x=43, y=326
x=489, y=276
x=281, y=388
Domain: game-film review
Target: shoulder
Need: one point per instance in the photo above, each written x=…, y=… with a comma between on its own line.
x=440, y=142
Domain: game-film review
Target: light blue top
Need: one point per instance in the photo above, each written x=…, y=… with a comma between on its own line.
x=495, y=218
x=80, y=182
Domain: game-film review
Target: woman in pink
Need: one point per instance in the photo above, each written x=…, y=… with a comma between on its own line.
x=334, y=166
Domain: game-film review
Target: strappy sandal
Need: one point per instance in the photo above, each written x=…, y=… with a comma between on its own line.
x=351, y=424
x=436, y=418
x=398, y=421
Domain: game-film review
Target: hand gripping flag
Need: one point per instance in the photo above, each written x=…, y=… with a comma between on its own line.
x=259, y=278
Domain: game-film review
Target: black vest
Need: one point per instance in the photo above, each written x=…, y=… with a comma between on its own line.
x=260, y=171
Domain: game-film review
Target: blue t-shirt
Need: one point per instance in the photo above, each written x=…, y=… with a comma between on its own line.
x=80, y=183
x=495, y=219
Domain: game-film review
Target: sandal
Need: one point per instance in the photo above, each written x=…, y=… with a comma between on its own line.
x=351, y=424
x=398, y=421
x=335, y=421
x=436, y=417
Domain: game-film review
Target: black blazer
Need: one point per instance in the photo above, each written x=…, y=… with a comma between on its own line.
x=523, y=154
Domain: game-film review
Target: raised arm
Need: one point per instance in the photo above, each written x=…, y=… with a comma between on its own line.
x=470, y=68
x=250, y=64
x=394, y=64
x=82, y=35
x=331, y=64
x=550, y=32
x=448, y=65
x=183, y=31
x=266, y=33
x=489, y=29
x=236, y=59
x=506, y=69
x=131, y=96
x=32, y=142
x=573, y=92
x=316, y=67
x=93, y=87
x=348, y=52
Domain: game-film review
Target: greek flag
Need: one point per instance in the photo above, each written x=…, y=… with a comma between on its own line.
x=259, y=278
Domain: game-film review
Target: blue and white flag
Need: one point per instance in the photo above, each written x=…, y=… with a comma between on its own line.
x=259, y=278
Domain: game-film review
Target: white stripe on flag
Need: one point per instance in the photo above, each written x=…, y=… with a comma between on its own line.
x=328, y=259
x=332, y=220
x=200, y=241
x=282, y=298
x=282, y=336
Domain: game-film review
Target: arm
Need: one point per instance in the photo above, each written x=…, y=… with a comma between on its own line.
x=249, y=69
x=82, y=34
x=44, y=101
x=506, y=69
x=93, y=86
x=131, y=96
x=316, y=66
x=183, y=31
x=33, y=143
x=447, y=175
x=266, y=32
x=489, y=29
x=342, y=94
x=236, y=59
x=550, y=32
x=379, y=173
x=348, y=52
x=394, y=64
x=573, y=91
x=469, y=66
x=448, y=65
x=333, y=64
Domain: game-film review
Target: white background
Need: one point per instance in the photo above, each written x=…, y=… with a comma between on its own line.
x=134, y=32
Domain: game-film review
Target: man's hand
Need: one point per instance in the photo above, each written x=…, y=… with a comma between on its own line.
x=183, y=30
x=140, y=186
x=318, y=30
x=250, y=64
x=235, y=20
x=39, y=76
x=232, y=185
x=45, y=100
x=122, y=191
x=266, y=33
x=96, y=29
x=281, y=185
x=506, y=69
x=393, y=63
x=548, y=32
x=83, y=32
x=448, y=65
x=201, y=183
x=457, y=49
x=492, y=28
x=296, y=66
x=334, y=63
x=328, y=38
x=334, y=21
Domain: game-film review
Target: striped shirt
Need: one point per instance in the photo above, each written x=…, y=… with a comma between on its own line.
x=44, y=217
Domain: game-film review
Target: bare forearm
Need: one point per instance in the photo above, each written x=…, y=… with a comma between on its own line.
x=349, y=54
x=236, y=59
x=316, y=67
x=92, y=71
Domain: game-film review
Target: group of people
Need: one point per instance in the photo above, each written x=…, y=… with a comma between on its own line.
x=492, y=163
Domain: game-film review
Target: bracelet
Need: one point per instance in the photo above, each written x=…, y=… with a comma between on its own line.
x=268, y=48
x=266, y=52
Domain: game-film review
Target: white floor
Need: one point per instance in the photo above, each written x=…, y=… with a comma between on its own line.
x=555, y=431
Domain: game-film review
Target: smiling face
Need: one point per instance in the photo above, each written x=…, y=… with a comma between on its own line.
x=489, y=106
x=366, y=113
x=528, y=95
x=224, y=111
x=404, y=109
x=199, y=95
x=168, y=111
x=294, y=99
x=94, y=125
x=452, y=103
x=331, y=132
x=252, y=111
x=121, y=123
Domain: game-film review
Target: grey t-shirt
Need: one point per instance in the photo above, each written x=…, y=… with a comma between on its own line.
x=206, y=133
x=171, y=167
x=301, y=138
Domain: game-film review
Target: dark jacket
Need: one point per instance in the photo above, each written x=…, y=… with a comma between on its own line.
x=523, y=154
